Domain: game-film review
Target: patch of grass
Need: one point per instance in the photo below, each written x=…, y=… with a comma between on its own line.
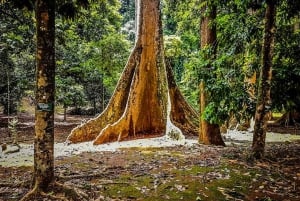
x=183, y=184
x=126, y=186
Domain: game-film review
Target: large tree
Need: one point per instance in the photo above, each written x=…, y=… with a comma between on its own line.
x=45, y=97
x=264, y=99
x=146, y=101
x=45, y=86
x=209, y=131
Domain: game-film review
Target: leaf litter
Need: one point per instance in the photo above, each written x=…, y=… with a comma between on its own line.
x=158, y=170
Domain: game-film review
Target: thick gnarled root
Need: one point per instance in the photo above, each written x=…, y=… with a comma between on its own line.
x=112, y=133
x=61, y=192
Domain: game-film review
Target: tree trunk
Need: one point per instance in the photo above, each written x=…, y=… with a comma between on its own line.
x=208, y=133
x=208, y=30
x=65, y=113
x=45, y=82
x=264, y=99
x=143, y=104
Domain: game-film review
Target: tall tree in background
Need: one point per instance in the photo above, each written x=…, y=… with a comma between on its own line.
x=16, y=59
x=264, y=99
x=209, y=133
x=285, y=91
x=146, y=101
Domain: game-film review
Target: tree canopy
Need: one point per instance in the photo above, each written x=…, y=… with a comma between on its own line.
x=90, y=59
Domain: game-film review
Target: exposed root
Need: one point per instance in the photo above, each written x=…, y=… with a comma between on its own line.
x=182, y=114
x=140, y=103
x=31, y=195
x=53, y=197
x=73, y=193
x=10, y=150
x=115, y=109
x=115, y=132
x=58, y=189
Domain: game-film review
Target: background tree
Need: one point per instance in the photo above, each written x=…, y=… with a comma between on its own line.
x=264, y=99
x=209, y=132
x=285, y=86
x=16, y=58
x=239, y=30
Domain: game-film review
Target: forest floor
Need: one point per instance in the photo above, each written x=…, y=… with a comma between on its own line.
x=188, y=171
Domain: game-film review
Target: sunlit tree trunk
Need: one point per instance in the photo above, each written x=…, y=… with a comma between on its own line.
x=143, y=102
x=208, y=133
x=44, y=94
x=264, y=99
x=45, y=86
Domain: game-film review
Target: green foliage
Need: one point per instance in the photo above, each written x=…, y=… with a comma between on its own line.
x=92, y=49
x=239, y=33
x=106, y=60
x=127, y=10
x=101, y=19
x=286, y=70
x=175, y=54
x=16, y=59
x=89, y=56
x=224, y=86
x=69, y=93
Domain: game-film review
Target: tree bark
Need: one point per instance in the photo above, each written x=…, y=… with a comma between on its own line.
x=208, y=29
x=141, y=104
x=182, y=114
x=264, y=99
x=208, y=133
x=65, y=113
x=45, y=93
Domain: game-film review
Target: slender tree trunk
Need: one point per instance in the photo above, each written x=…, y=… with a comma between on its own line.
x=142, y=104
x=94, y=106
x=264, y=99
x=45, y=82
x=65, y=112
x=44, y=111
x=208, y=133
x=202, y=108
x=8, y=99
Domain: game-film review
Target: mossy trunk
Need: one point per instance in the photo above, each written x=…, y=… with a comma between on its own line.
x=264, y=99
x=139, y=105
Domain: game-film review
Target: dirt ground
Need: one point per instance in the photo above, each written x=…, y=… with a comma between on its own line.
x=178, y=173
